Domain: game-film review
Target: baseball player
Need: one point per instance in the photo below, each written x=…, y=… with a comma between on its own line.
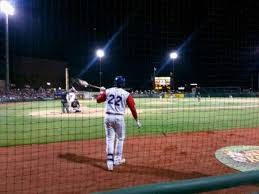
x=71, y=96
x=75, y=106
x=198, y=94
x=64, y=103
x=116, y=99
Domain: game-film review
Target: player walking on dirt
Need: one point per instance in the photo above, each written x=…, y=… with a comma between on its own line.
x=116, y=100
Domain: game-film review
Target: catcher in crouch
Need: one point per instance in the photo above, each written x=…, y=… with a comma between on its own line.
x=116, y=99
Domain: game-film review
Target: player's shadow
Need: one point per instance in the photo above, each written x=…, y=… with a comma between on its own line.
x=98, y=163
x=132, y=168
x=159, y=172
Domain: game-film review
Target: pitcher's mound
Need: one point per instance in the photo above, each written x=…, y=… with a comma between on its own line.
x=56, y=113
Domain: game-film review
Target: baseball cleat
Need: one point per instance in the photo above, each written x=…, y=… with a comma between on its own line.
x=119, y=162
x=109, y=165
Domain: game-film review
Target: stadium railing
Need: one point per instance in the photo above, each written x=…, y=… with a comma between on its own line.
x=194, y=185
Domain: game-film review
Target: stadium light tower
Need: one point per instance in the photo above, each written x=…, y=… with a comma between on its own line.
x=173, y=56
x=100, y=55
x=7, y=9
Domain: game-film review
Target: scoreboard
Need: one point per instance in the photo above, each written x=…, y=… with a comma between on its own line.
x=163, y=83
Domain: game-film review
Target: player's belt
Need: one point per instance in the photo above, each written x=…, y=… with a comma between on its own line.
x=110, y=113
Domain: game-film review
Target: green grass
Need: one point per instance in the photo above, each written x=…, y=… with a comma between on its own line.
x=18, y=127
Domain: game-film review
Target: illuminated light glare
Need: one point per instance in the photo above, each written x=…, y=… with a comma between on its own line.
x=6, y=8
x=173, y=55
x=100, y=53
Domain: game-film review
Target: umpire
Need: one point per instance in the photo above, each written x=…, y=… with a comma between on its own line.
x=64, y=103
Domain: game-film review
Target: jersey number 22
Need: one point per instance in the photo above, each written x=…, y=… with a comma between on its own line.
x=113, y=100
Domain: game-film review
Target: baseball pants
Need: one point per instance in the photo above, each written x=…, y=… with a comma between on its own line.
x=114, y=130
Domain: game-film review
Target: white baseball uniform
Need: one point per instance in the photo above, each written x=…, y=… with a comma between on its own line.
x=71, y=96
x=116, y=101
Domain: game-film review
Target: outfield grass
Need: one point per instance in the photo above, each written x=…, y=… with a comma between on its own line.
x=18, y=127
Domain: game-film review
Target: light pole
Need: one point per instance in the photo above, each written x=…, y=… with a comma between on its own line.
x=173, y=56
x=154, y=78
x=7, y=9
x=100, y=55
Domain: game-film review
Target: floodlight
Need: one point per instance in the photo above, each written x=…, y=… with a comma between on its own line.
x=100, y=53
x=6, y=8
x=173, y=55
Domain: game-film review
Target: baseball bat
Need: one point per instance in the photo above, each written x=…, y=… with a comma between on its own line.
x=84, y=83
x=94, y=86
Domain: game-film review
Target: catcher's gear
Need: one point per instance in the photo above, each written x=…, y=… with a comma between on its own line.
x=119, y=81
x=75, y=104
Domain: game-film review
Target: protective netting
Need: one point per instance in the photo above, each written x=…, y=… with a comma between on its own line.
x=50, y=145
x=45, y=150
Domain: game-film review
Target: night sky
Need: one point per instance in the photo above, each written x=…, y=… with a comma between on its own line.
x=217, y=40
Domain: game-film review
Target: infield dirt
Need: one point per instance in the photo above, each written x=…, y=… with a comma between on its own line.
x=79, y=166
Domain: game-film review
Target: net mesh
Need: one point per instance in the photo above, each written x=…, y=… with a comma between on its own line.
x=44, y=150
